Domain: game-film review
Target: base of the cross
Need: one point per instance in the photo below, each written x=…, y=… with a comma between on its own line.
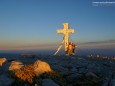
x=71, y=49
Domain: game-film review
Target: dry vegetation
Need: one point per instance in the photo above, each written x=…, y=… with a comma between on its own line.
x=26, y=74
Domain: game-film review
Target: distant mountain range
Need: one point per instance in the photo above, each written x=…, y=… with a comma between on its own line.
x=101, y=52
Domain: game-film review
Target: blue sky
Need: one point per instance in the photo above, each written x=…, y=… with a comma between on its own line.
x=32, y=24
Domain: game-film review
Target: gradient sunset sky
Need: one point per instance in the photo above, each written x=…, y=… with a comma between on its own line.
x=32, y=24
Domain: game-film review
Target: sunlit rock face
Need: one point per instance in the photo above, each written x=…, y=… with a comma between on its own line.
x=2, y=60
x=41, y=67
x=15, y=65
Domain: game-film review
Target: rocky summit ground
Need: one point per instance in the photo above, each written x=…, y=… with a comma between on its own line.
x=57, y=71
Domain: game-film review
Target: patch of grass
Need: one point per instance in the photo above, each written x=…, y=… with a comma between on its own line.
x=18, y=82
x=26, y=74
x=11, y=74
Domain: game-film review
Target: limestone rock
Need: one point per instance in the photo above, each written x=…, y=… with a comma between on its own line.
x=41, y=67
x=5, y=81
x=15, y=65
x=36, y=85
x=59, y=68
x=2, y=60
x=74, y=70
x=91, y=74
x=74, y=76
x=114, y=75
x=112, y=82
x=5, y=66
x=91, y=66
x=82, y=70
x=49, y=82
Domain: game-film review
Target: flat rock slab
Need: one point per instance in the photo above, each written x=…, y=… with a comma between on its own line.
x=112, y=82
x=5, y=81
x=74, y=76
x=49, y=82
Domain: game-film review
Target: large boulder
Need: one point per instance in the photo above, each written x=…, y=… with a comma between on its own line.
x=41, y=67
x=49, y=82
x=15, y=65
x=2, y=60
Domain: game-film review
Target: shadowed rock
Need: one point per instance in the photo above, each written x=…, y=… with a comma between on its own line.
x=49, y=82
x=91, y=74
x=5, y=66
x=112, y=82
x=5, y=81
x=74, y=76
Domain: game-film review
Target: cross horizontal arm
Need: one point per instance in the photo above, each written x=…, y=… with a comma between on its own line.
x=60, y=31
x=71, y=31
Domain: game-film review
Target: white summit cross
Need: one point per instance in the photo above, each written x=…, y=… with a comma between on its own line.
x=66, y=31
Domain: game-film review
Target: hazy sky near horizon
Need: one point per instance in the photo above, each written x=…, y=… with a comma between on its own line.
x=32, y=24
